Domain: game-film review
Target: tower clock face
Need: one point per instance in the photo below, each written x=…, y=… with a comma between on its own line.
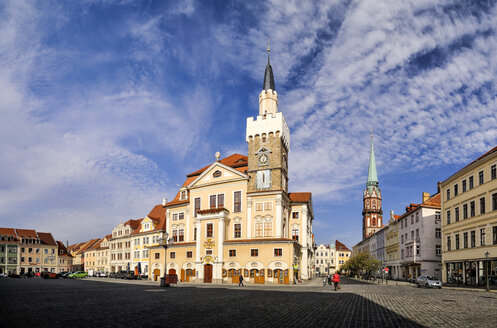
x=263, y=159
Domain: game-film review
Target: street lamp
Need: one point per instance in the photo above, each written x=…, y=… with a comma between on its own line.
x=165, y=242
x=487, y=254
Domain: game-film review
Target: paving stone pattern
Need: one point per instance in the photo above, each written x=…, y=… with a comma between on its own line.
x=101, y=303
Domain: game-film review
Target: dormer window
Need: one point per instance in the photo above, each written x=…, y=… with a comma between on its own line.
x=182, y=195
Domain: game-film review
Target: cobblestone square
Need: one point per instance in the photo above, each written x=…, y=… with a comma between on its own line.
x=106, y=303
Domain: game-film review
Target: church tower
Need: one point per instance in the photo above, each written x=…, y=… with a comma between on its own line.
x=372, y=215
x=268, y=139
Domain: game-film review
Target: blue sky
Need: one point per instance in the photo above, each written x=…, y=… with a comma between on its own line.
x=106, y=105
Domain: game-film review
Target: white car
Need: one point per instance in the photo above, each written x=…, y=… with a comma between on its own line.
x=4, y=275
x=428, y=282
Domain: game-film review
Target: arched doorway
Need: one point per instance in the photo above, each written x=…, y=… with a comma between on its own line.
x=156, y=274
x=189, y=274
x=278, y=276
x=208, y=273
x=172, y=271
x=233, y=275
x=257, y=276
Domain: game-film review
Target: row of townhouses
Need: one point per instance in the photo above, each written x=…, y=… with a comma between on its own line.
x=330, y=258
x=451, y=235
x=24, y=250
x=232, y=218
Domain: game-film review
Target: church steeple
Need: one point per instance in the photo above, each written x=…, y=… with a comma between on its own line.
x=372, y=212
x=372, y=176
x=268, y=74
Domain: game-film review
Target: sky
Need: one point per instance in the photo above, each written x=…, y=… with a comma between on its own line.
x=105, y=105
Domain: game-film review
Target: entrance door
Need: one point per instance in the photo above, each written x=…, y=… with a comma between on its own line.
x=156, y=274
x=182, y=275
x=261, y=277
x=254, y=274
x=233, y=275
x=278, y=276
x=172, y=271
x=189, y=274
x=287, y=280
x=208, y=273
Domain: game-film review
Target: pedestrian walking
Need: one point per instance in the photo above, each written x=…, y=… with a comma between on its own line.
x=329, y=279
x=336, y=280
x=240, y=281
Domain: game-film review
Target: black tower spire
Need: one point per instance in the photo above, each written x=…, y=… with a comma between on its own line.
x=268, y=74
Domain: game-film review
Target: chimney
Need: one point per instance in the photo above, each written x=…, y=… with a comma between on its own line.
x=67, y=243
x=164, y=201
x=391, y=215
x=426, y=196
x=439, y=186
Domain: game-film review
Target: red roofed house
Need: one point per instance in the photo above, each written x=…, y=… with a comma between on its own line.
x=65, y=258
x=236, y=215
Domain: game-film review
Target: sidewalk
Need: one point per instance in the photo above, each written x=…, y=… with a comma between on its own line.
x=308, y=283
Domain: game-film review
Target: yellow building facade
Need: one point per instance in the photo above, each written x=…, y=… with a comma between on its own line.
x=236, y=217
x=469, y=226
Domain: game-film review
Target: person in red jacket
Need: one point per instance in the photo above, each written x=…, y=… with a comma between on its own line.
x=336, y=280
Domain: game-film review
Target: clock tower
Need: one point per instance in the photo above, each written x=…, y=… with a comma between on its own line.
x=372, y=214
x=268, y=139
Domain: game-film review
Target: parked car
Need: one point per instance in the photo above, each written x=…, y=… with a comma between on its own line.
x=4, y=275
x=66, y=274
x=14, y=275
x=49, y=275
x=100, y=274
x=130, y=275
x=61, y=274
x=112, y=275
x=428, y=282
x=78, y=274
x=122, y=274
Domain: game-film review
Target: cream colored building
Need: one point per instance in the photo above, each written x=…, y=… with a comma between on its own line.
x=392, y=258
x=148, y=234
x=469, y=210
x=120, y=246
x=236, y=216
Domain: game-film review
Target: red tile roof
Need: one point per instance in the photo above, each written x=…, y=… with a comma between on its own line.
x=47, y=238
x=433, y=201
x=341, y=247
x=234, y=161
x=95, y=246
x=26, y=233
x=133, y=223
x=61, y=247
x=300, y=197
x=396, y=217
x=9, y=232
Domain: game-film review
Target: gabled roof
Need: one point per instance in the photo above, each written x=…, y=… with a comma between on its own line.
x=341, y=247
x=234, y=161
x=9, y=232
x=61, y=247
x=133, y=223
x=433, y=201
x=300, y=197
x=26, y=233
x=95, y=246
x=47, y=238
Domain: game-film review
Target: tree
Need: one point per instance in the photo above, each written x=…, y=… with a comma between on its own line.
x=362, y=263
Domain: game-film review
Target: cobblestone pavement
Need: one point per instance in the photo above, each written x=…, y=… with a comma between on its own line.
x=97, y=302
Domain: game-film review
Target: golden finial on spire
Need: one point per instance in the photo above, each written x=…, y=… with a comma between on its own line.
x=371, y=133
x=268, y=45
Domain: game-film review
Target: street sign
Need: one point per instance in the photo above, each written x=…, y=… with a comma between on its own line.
x=386, y=270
